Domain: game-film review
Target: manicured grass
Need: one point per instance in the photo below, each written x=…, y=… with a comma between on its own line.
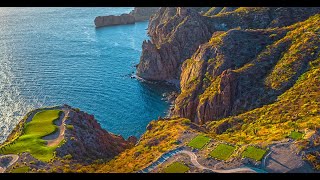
x=31, y=140
x=176, y=167
x=254, y=153
x=296, y=135
x=22, y=169
x=199, y=142
x=222, y=151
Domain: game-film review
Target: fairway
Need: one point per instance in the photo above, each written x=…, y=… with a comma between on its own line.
x=222, y=152
x=296, y=135
x=254, y=153
x=176, y=167
x=31, y=141
x=199, y=142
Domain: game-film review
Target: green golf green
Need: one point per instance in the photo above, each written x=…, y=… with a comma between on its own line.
x=42, y=124
x=199, y=142
x=222, y=151
x=254, y=153
x=176, y=167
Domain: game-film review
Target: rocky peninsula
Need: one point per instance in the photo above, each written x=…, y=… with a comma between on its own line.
x=137, y=14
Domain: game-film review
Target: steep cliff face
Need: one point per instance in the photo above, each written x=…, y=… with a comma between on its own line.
x=223, y=67
x=172, y=30
x=176, y=33
x=244, y=69
x=87, y=141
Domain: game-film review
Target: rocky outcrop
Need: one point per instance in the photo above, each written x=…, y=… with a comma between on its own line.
x=86, y=141
x=176, y=33
x=212, y=56
x=137, y=14
x=111, y=20
x=232, y=73
x=171, y=31
x=221, y=103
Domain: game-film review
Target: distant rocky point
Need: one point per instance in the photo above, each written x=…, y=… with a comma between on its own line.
x=137, y=14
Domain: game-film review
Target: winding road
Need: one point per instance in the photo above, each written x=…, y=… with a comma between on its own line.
x=14, y=159
x=195, y=162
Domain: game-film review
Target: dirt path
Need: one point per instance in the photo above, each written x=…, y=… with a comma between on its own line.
x=14, y=159
x=198, y=165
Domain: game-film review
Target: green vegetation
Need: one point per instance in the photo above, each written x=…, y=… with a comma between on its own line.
x=68, y=156
x=296, y=109
x=254, y=153
x=199, y=142
x=164, y=133
x=222, y=151
x=176, y=167
x=212, y=90
x=209, y=11
x=217, y=37
x=296, y=135
x=31, y=139
x=303, y=48
x=70, y=127
x=22, y=169
x=314, y=159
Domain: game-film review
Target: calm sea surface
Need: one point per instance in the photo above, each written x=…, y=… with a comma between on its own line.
x=54, y=56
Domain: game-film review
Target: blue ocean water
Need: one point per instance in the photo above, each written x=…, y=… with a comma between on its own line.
x=54, y=56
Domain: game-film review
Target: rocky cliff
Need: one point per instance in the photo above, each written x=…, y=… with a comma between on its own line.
x=223, y=68
x=79, y=137
x=137, y=14
x=176, y=33
x=111, y=20
x=171, y=30
x=87, y=141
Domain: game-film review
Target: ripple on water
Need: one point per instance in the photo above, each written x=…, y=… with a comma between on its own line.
x=51, y=56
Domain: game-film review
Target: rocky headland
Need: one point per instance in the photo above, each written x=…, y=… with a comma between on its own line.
x=79, y=139
x=136, y=15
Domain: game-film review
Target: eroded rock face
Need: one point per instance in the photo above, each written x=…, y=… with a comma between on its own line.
x=87, y=141
x=226, y=75
x=221, y=104
x=101, y=21
x=176, y=33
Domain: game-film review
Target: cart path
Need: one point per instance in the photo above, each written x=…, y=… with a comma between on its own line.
x=14, y=159
x=195, y=162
